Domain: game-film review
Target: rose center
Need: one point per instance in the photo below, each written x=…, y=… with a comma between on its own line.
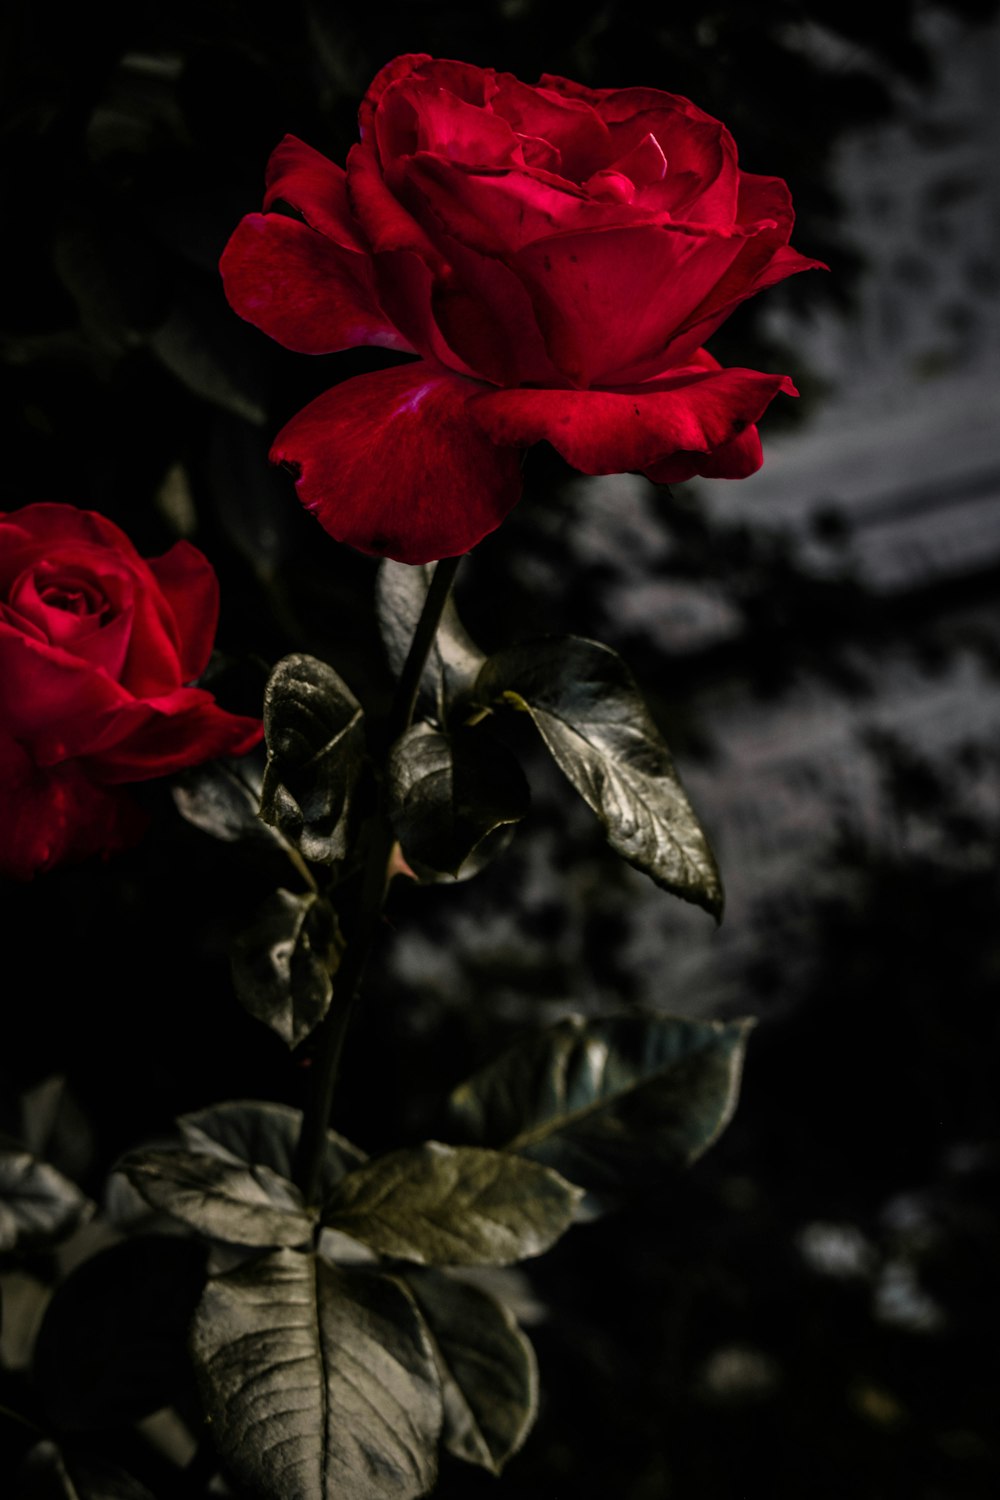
x=74, y=595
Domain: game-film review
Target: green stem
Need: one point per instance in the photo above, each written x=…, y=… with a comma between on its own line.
x=332, y=1031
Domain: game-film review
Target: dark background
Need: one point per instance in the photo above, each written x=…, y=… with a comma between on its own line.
x=812, y=1310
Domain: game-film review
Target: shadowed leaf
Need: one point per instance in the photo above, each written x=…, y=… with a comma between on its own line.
x=453, y=798
x=489, y=1378
x=588, y=710
x=611, y=1102
x=316, y=747
x=113, y=1344
x=38, y=1205
x=283, y=966
x=454, y=658
x=51, y=1473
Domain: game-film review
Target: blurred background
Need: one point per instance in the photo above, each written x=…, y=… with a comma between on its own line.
x=814, y=1309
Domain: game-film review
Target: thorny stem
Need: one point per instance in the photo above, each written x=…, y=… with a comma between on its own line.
x=332, y=1031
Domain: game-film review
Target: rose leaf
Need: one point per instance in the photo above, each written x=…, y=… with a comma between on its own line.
x=587, y=708
x=283, y=965
x=489, y=1378
x=38, y=1205
x=454, y=659
x=319, y=1382
x=610, y=1103
x=60, y=1473
x=314, y=729
x=447, y=1205
x=453, y=798
x=240, y=1205
x=256, y=1133
x=112, y=1346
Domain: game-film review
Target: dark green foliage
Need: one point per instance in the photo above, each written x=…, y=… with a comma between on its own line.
x=454, y=798
x=113, y=1345
x=38, y=1205
x=588, y=710
x=489, y=1378
x=610, y=1103
x=452, y=1205
x=283, y=964
x=315, y=752
x=319, y=1382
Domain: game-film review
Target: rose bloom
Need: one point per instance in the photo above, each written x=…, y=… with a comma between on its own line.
x=96, y=646
x=556, y=255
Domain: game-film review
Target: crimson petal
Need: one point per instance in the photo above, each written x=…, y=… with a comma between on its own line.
x=303, y=290
x=392, y=464
x=697, y=410
x=188, y=583
x=310, y=182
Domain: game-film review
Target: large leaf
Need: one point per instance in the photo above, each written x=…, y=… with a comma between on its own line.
x=316, y=746
x=283, y=964
x=447, y=1205
x=608, y=1102
x=319, y=1382
x=453, y=798
x=222, y=798
x=51, y=1473
x=489, y=1378
x=587, y=708
x=454, y=659
x=112, y=1347
x=237, y=1204
x=254, y=1133
x=38, y=1205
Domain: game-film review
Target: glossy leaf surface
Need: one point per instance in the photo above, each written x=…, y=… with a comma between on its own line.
x=447, y=1205
x=588, y=710
x=319, y=1382
x=611, y=1102
x=283, y=964
x=452, y=797
x=316, y=747
x=239, y=1205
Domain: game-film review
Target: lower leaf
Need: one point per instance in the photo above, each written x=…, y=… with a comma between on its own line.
x=319, y=1382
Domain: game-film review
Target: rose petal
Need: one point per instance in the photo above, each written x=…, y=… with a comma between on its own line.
x=609, y=299
x=189, y=586
x=157, y=737
x=420, y=115
x=57, y=704
x=383, y=218
x=303, y=290
x=47, y=525
x=698, y=410
x=736, y=459
x=308, y=181
x=408, y=289
x=570, y=124
x=392, y=464
x=474, y=85
x=57, y=816
x=486, y=316
x=498, y=211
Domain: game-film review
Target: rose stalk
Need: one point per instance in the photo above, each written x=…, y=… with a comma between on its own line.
x=374, y=881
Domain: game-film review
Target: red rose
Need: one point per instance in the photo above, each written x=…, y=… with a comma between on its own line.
x=96, y=645
x=556, y=255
